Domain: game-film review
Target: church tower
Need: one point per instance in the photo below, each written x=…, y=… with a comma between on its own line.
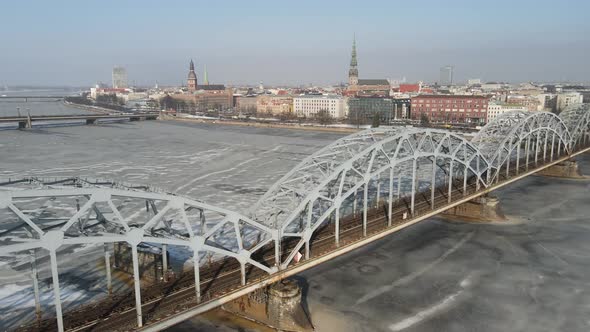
x=192, y=77
x=353, y=73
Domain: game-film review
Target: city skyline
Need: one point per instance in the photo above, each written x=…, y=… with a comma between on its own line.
x=293, y=44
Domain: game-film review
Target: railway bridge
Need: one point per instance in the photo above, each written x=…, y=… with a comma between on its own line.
x=358, y=189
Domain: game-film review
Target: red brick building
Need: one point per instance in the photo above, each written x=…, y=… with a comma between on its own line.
x=450, y=108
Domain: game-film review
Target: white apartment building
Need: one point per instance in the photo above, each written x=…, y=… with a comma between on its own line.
x=310, y=105
x=566, y=99
x=496, y=108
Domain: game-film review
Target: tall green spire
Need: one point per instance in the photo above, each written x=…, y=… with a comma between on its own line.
x=205, y=77
x=353, y=58
x=353, y=73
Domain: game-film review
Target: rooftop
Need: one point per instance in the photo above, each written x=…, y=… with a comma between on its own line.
x=452, y=96
x=373, y=82
x=320, y=96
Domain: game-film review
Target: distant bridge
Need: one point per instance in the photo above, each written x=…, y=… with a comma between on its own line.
x=27, y=121
x=356, y=190
x=32, y=97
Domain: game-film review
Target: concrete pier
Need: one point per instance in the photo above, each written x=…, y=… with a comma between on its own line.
x=566, y=169
x=481, y=209
x=277, y=306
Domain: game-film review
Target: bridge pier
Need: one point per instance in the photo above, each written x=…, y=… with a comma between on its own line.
x=483, y=208
x=90, y=121
x=277, y=306
x=565, y=169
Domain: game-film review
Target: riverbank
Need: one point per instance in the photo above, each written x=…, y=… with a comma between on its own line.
x=89, y=108
x=306, y=127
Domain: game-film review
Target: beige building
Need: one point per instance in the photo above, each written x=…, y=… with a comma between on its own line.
x=203, y=100
x=246, y=103
x=310, y=105
x=532, y=103
x=275, y=104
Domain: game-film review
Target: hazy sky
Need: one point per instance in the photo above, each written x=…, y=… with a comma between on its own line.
x=292, y=42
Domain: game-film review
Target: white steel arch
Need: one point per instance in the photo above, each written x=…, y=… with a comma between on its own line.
x=288, y=191
x=405, y=160
x=516, y=138
x=90, y=211
x=577, y=120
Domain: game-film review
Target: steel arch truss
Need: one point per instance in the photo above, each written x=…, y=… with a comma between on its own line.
x=577, y=120
x=287, y=193
x=519, y=138
x=50, y=214
x=398, y=164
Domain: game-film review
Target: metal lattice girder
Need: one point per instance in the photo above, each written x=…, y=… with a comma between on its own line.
x=50, y=214
x=406, y=158
x=514, y=135
x=577, y=120
x=174, y=223
x=300, y=181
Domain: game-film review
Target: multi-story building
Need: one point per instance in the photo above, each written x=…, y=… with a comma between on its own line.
x=362, y=110
x=547, y=102
x=205, y=100
x=119, y=77
x=566, y=99
x=450, y=108
x=532, y=103
x=275, y=104
x=446, y=75
x=401, y=108
x=310, y=105
x=497, y=108
x=245, y=103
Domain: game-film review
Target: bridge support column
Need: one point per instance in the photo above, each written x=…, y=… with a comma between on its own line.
x=480, y=209
x=565, y=169
x=365, y=207
x=164, y=262
x=277, y=306
x=56, y=292
x=35, y=277
x=137, y=284
x=107, y=263
x=243, y=273
x=197, y=275
x=337, y=226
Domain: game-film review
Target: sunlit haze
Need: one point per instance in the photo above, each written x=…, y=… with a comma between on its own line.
x=292, y=43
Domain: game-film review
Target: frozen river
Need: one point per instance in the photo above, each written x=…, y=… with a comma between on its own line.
x=227, y=166
x=528, y=274
x=223, y=165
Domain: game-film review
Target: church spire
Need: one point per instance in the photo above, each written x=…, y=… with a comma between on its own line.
x=205, y=77
x=353, y=73
x=353, y=61
x=192, y=77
